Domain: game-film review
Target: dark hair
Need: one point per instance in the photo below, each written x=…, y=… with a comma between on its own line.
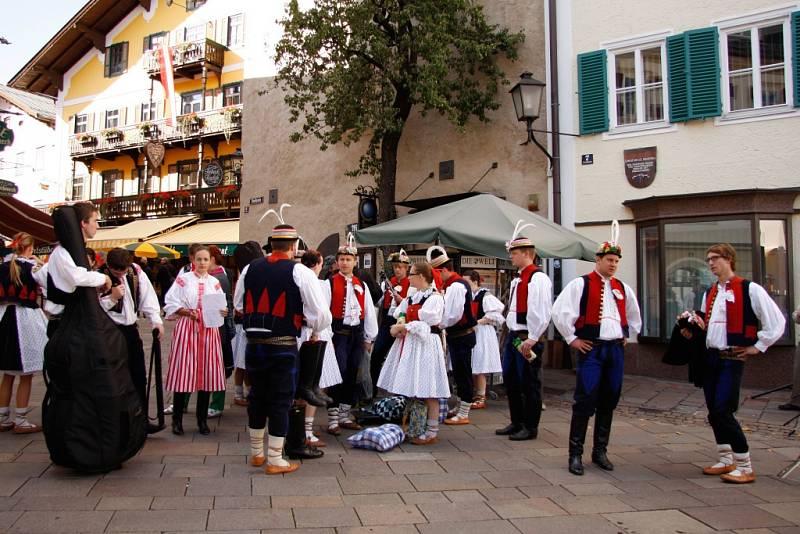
x=194, y=247
x=473, y=275
x=447, y=265
x=90, y=253
x=216, y=253
x=424, y=268
x=198, y=248
x=245, y=253
x=311, y=258
x=282, y=245
x=725, y=250
x=84, y=210
x=119, y=258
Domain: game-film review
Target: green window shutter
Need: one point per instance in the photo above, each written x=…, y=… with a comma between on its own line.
x=704, y=73
x=677, y=79
x=796, y=56
x=593, y=92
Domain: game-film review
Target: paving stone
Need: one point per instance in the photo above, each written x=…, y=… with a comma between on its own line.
x=124, y=503
x=249, y=519
x=545, y=490
x=657, y=522
x=288, y=485
x=22, y=469
x=660, y=500
x=63, y=521
x=8, y=503
x=139, y=487
x=736, y=516
x=593, y=489
x=391, y=529
x=464, y=465
x=398, y=456
x=577, y=524
x=54, y=487
x=789, y=511
x=7, y=518
x=420, y=497
x=456, y=512
x=511, y=479
x=378, y=484
x=56, y=503
x=526, y=508
x=415, y=468
x=503, y=494
x=301, y=501
x=723, y=496
x=374, y=498
x=183, y=503
x=138, y=470
x=464, y=496
x=469, y=527
x=216, y=486
x=242, y=502
x=449, y=481
x=592, y=504
x=388, y=514
x=192, y=470
x=326, y=517
x=158, y=520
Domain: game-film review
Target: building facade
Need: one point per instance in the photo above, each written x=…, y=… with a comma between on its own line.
x=688, y=120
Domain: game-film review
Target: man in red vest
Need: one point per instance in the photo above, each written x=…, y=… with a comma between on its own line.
x=354, y=327
x=596, y=313
x=395, y=289
x=730, y=314
x=530, y=301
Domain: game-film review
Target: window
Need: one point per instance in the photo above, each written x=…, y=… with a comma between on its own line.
x=774, y=258
x=235, y=30
x=194, y=4
x=233, y=94
x=755, y=66
x=116, y=62
x=194, y=33
x=112, y=118
x=148, y=112
x=110, y=179
x=639, y=85
x=191, y=102
x=649, y=277
x=81, y=123
x=231, y=166
x=77, y=187
x=187, y=174
x=153, y=41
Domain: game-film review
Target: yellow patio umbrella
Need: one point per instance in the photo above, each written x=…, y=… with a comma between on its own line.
x=141, y=249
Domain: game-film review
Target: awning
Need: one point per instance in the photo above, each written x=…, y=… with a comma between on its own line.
x=224, y=234
x=16, y=216
x=139, y=230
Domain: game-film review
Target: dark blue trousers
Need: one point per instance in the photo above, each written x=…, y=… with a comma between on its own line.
x=273, y=374
x=349, y=352
x=599, y=379
x=721, y=383
x=461, y=357
x=523, y=381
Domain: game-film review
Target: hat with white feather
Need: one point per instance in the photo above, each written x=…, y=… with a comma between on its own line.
x=517, y=240
x=349, y=248
x=613, y=246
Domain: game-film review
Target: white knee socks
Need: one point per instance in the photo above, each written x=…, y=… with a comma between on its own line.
x=275, y=451
x=725, y=455
x=256, y=441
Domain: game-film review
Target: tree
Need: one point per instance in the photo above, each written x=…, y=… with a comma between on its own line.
x=357, y=68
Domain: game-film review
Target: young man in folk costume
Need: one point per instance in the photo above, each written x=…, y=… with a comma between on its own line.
x=459, y=321
x=530, y=303
x=596, y=313
x=354, y=327
x=731, y=311
x=275, y=295
x=395, y=289
x=131, y=294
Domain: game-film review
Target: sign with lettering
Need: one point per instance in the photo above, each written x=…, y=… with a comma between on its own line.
x=6, y=136
x=212, y=173
x=478, y=262
x=640, y=166
x=7, y=188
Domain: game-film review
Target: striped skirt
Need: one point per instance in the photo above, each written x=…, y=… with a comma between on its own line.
x=195, y=358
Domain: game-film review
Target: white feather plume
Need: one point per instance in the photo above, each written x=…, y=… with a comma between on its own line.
x=518, y=229
x=278, y=214
x=614, y=232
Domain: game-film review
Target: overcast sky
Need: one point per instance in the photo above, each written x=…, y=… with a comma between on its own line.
x=29, y=25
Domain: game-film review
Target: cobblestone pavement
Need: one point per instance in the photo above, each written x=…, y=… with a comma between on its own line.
x=471, y=481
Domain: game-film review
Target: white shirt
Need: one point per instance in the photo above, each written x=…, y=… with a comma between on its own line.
x=455, y=297
x=66, y=276
x=430, y=314
x=352, y=309
x=768, y=313
x=566, y=311
x=316, y=310
x=540, y=304
x=148, y=302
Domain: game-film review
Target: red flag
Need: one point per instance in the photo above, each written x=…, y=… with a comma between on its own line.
x=167, y=80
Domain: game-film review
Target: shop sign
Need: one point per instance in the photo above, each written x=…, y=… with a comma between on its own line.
x=154, y=152
x=7, y=188
x=212, y=173
x=478, y=262
x=6, y=136
x=640, y=166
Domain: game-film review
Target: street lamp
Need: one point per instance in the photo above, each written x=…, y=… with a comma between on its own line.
x=527, y=97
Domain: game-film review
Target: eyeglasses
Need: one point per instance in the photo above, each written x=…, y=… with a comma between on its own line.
x=712, y=259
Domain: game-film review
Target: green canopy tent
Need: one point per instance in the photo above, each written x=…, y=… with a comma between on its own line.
x=481, y=224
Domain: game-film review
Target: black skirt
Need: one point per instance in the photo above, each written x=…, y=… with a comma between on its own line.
x=10, y=354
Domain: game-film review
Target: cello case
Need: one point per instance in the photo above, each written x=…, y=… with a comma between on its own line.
x=92, y=416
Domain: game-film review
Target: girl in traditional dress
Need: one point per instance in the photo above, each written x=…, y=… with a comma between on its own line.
x=23, y=333
x=195, y=357
x=488, y=310
x=415, y=366
x=330, y=367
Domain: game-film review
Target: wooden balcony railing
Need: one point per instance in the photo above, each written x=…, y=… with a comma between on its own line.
x=170, y=203
x=188, y=58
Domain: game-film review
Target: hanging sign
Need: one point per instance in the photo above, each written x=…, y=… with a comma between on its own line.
x=8, y=189
x=6, y=136
x=640, y=166
x=154, y=152
x=212, y=173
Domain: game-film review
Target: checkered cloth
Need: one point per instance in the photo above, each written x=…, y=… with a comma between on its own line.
x=381, y=438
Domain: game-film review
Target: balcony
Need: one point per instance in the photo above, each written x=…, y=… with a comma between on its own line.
x=226, y=122
x=188, y=59
x=223, y=199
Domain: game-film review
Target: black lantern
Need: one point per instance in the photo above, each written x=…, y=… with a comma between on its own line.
x=527, y=96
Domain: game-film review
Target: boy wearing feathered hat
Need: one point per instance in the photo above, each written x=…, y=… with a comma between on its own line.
x=530, y=301
x=354, y=325
x=596, y=313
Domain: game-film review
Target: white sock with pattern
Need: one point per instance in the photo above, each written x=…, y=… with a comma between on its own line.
x=5, y=416
x=725, y=456
x=22, y=416
x=238, y=392
x=333, y=417
x=433, y=428
x=463, y=410
x=309, y=425
x=344, y=413
x=743, y=465
x=275, y=452
x=256, y=441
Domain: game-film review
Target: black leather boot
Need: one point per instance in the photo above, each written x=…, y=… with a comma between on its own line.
x=202, y=412
x=577, y=436
x=309, y=357
x=177, y=413
x=602, y=433
x=508, y=430
x=295, y=444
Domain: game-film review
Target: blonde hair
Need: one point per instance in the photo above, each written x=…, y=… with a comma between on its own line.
x=20, y=243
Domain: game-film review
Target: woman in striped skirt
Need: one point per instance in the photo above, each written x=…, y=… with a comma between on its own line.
x=195, y=357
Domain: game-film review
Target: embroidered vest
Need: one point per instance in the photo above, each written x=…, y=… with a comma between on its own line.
x=271, y=298
x=522, y=293
x=591, y=307
x=339, y=298
x=467, y=319
x=477, y=304
x=741, y=322
x=405, y=283
x=18, y=295
x=412, y=310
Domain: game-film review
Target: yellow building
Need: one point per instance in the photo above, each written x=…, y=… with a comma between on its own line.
x=103, y=68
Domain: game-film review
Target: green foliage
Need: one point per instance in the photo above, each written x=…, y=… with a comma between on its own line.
x=356, y=68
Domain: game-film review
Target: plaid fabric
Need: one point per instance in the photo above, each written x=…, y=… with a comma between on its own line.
x=381, y=438
x=390, y=408
x=443, y=409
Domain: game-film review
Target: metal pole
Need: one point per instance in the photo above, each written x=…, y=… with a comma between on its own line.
x=555, y=127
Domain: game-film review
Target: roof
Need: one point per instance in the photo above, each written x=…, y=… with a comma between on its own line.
x=139, y=230
x=16, y=216
x=87, y=29
x=209, y=233
x=41, y=107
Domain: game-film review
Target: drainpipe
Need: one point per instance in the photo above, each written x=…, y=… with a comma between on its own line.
x=555, y=142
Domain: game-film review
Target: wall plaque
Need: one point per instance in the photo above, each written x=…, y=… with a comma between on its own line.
x=212, y=173
x=154, y=152
x=640, y=166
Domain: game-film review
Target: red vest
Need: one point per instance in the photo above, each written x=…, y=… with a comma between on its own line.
x=339, y=295
x=741, y=321
x=522, y=293
x=405, y=283
x=588, y=324
x=437, y=279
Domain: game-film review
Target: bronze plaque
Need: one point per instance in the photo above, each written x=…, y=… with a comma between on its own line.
x=640, y=166
x=154, y=152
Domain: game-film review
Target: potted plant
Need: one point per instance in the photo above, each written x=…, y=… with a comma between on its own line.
x=113, y=134
x=190, y=122
x=87, y=139
x=148, y=130
x=232, y=114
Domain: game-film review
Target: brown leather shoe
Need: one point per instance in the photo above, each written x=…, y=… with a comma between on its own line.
x=741, y=478
x=425, y=441
x=350, y=425
x=28, y=428
x=280, y=470
x=257, y=461
x=717, y=471
x=318, y=443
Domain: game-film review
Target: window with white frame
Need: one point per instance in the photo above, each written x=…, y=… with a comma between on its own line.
x=235, y=30
x=148, y=112
x=77, y=187
x=81, y=122
x=112, y=118
x=191, y=102
x=194, y=33
x=233, y=94
x=756, y=70
x=638, y=85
